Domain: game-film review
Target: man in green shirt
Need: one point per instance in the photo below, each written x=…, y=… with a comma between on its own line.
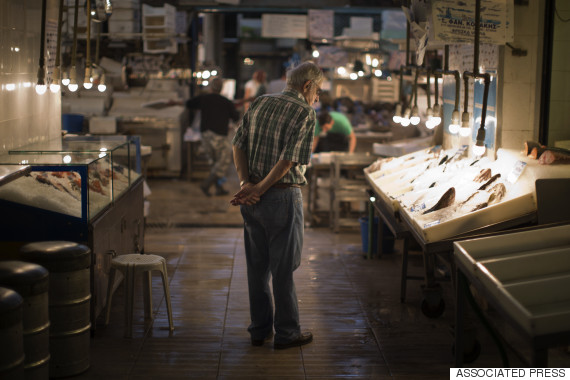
x=333, y=132
x=271, y=148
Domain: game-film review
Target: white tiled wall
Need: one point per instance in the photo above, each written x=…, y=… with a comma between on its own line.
x=559, y=118
x=25, y=117
x=520, y=79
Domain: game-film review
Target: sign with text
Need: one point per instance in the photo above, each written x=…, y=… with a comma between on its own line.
x=454, y=22
x=321, y=24
x=283, y=26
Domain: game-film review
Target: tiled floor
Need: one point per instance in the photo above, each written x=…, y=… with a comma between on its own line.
x=352, y=306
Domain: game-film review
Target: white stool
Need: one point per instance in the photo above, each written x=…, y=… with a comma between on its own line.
x=130, y=265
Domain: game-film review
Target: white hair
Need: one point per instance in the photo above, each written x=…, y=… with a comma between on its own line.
x=306, y=71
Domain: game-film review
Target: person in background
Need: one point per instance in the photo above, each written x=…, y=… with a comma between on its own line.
x=254, y=87
x=333, y=133
x=216, y=112
x=279, y=84
x=272, y=147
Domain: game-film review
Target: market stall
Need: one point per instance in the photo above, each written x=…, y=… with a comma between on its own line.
x=441, y=196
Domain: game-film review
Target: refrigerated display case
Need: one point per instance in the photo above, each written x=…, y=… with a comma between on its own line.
x=87, y=191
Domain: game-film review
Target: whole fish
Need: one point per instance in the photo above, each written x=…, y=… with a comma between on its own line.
x=490, y=181
x=483, y=175
x=446, y=200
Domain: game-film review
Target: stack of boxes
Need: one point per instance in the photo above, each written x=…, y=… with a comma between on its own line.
x=159, y=28
x=126, y=17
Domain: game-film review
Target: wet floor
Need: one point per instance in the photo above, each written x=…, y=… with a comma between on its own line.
x=351, y=304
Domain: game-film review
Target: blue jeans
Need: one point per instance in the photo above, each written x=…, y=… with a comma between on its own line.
x=273, y=234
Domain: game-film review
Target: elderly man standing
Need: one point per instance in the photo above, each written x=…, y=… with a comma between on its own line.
x=271, y=148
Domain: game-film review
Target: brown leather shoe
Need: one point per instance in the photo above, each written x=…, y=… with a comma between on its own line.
x=304, y=338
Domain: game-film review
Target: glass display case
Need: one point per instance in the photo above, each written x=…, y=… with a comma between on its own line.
x=121, y=152
x=78, y=185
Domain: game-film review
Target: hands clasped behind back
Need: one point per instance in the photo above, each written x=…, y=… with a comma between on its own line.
x=249, y=195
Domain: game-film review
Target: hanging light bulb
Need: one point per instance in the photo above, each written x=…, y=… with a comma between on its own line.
x=397, y=114
x=378, y=72
x=405, y=121
x=41, y=87
x=479, y=150
x=415, y=118
x=88, y=81
x=479, y=147
x=315, y=53
x=41, y=84
x=65, y=79
x=353, y=76
x=465, y=124
x=454, y=125
x=102, y=86
x=430, y=122
x=54, y=87
x=436, y=115
x=73, y=86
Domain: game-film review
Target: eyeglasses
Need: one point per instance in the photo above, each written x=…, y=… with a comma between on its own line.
x=319, y=91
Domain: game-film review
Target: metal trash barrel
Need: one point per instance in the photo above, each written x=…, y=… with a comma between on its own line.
x=68, y=264
x=31, y=282
x=11, y=335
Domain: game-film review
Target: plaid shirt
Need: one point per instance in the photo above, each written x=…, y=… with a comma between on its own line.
x=277, y=127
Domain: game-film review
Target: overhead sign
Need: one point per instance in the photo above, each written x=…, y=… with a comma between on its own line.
x=283, y=26
x=321, y=24
x=454, y=22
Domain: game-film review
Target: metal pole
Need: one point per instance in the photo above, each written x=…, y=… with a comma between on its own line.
x=477, y=31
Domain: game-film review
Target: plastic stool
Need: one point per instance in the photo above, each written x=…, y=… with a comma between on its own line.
x=130, y=265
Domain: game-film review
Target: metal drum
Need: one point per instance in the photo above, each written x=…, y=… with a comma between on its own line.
x=31, y=282
x=11, y=335
x=68, y=264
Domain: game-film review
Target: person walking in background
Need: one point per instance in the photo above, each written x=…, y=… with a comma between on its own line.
x=216, y=111
x=254, y=87
x=271, y=149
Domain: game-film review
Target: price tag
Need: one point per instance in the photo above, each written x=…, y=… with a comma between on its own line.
x=431, y=224
x=516, y=171
x=461, y=151
x=419, y=207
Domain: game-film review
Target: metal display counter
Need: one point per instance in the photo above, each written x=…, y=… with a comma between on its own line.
x=524, y=275
x=402, y=228
x=408, y=188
